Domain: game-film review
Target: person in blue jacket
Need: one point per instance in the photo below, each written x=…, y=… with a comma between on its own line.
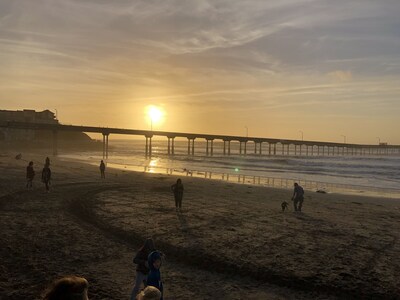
x=142, y=269
x=154, y=277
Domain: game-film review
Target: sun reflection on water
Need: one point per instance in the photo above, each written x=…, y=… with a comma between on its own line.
x=153, y=163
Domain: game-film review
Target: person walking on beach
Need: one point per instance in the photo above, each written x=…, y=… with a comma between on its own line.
x=154, y=277
x=46, y=176
x=68, y=287
x=142, y=269
x=177, y=189
x=102, y=170
x=47, y=161
x=30, y=174
x=298, y=197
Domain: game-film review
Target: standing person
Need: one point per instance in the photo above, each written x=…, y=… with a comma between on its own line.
x=30, y=174
x=46, y=176
x=142, y=268
x=177, y=188
x=298, y=197
x=69, y=287
x=154, y=277
x=47, y=162
x=102, y=169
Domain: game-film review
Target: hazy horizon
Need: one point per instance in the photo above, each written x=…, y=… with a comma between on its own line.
x=268, y=69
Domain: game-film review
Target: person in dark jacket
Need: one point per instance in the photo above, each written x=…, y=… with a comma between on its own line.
x=102, y=170
x=154, y=277
x=46, y=176
x=47, y=161
x=298, y=197
x=30, y=174
x=177, y=188
x=142, y=268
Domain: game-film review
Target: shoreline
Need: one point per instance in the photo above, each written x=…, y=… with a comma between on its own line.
x=273, y=182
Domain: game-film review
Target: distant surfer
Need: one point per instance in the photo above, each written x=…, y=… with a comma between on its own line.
x=298, y=197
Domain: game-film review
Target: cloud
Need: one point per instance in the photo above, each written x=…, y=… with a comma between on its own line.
x=340, y=75
x=257, y=56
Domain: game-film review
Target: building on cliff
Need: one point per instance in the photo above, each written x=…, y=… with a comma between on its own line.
x=36, y=137
x=26, y=115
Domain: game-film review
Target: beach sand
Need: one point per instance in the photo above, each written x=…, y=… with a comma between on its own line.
x=231, y=241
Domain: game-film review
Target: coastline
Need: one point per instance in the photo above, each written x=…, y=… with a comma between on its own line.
x=231, y=239
x=245, y=178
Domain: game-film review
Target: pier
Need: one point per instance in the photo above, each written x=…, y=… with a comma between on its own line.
x=247, y=145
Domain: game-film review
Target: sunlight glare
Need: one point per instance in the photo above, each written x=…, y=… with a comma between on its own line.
x=155, y=113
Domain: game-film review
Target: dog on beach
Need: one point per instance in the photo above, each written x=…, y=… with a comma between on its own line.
x=284, y=205
x=188, y=172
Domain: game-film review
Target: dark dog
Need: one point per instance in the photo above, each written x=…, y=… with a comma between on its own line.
x=284, y=205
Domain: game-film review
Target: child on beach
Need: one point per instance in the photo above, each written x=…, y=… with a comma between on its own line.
x=177, y=189
x=69, y=287
x=142, y=268
x=149, y=293
x=154, y=277
x=30, y=174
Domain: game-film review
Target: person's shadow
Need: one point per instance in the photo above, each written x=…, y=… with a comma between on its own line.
x=183, y=222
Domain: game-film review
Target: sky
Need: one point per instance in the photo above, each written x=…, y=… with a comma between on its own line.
x=327, y=70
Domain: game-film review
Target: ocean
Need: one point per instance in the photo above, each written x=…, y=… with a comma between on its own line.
x=363, y=175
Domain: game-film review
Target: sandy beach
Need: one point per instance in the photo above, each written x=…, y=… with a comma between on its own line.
x=231, y=241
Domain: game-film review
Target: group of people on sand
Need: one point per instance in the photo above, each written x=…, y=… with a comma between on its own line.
x=148, y=284
x=46, y=175
x=148, y=261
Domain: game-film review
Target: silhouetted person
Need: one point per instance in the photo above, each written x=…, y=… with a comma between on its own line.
x=47, y=162
x=30, y=174
x=67, y=288
x=177, y=188
x=154, y=277
x=102, y=169
x=142, y=269
x=46, y=177
x=298, y=197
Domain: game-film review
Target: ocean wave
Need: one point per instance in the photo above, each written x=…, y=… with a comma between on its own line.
x=379, y=171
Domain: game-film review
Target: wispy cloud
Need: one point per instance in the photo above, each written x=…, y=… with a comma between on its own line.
x=248, y=57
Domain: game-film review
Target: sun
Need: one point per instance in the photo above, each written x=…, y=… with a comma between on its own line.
x=155, y=114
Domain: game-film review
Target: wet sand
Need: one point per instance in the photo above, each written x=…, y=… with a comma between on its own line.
x=231, y=241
